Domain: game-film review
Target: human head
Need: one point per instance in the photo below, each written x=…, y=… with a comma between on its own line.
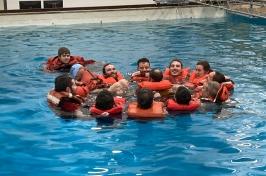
x=156, y=75
x=144, y=98
x=143, y=65
x=218, y=77
x=202, y=68
x=64, y=55
x=210, y=89
x=109, y=70
x=182, y=95
x=104, y=100
x=63, y=82
x=76, y=71
x=175, y=67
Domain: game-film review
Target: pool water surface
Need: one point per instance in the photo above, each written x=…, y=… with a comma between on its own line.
x=35, y=141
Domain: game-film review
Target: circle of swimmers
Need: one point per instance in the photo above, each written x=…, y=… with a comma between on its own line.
x=157, y=92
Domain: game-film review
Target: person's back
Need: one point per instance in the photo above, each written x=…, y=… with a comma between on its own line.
x=183, y=101
x=106, y=104
x=145, y=107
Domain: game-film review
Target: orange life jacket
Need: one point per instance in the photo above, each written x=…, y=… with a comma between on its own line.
x=54, y=63
x=174, y=106
x=176, y=79
x=63, y=100
x=139, y=78
x=156, y=111
x=229, y=85
x=223, y=94
x=117, y=109
x=197, y=81
x=111, y=80
x=156, y=86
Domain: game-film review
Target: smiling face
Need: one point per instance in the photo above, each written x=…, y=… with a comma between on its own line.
x=65, y=58
x=175, y=68
x=110, y=70
x=144, y=67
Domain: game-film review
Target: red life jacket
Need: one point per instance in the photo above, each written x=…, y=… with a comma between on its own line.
x=156, y=111
x=111, y=80
x=117, y=109
x=156, y=86
x=174, y=106
x=54, y=63
x=139, y=78
x=179, y=79
x=63, y=100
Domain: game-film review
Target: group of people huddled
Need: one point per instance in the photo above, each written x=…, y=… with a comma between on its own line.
x=177, y=88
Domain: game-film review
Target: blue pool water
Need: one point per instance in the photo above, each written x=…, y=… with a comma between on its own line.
x=34, y=141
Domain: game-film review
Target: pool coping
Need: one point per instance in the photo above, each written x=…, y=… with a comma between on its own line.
x=108, y=15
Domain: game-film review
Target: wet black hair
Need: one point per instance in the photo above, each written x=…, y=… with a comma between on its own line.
x=144, y=59
x=144, y=98
x=218, y=77
x=62, y=82
x=156, y=75
x=177, y=60
x=205, y=64
x=63, y=50
x=104, y=100
x=182, y=95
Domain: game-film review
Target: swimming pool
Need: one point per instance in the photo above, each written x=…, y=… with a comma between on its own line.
x=35, y=141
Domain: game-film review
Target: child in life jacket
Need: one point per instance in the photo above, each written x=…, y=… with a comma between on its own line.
x=63, y=61
x=183, y=101
x=62, y=97
x=175, y=73
x=145, y=107
x=143, y=71
x=199, y=75
x=107, y=105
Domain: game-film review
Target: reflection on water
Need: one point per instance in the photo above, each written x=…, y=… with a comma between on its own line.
x=216, y=140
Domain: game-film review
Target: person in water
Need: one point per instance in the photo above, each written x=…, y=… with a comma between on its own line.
x=145, y=106
x=199, y=75
x=175, y=73
x=110, y=75
x=106, y=104
x=142, y=74
x=64, y=60
x=62, y=96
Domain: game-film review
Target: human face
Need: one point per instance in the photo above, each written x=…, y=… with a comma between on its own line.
x=175, y=68
x=199, y=70
x=65, y=58
x=144, y=67
x=110, y=70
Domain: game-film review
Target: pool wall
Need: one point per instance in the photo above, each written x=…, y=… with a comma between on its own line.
x=108, y=15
